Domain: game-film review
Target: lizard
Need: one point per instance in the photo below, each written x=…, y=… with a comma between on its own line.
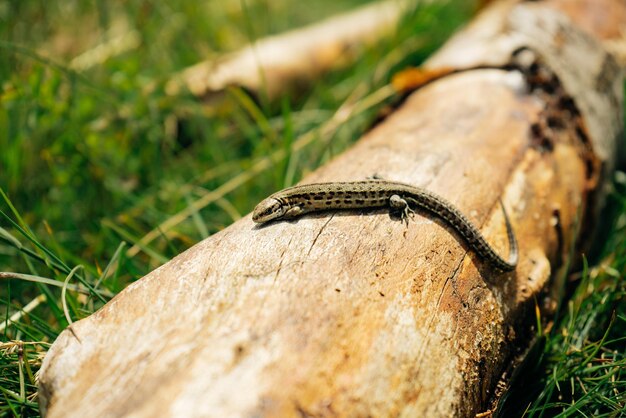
x=296, y=201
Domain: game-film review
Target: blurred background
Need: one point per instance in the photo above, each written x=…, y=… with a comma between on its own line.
x=104, y=175
x=94, y=152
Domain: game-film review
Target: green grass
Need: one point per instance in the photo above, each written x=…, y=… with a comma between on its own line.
x=102, y=182
x=577, y=366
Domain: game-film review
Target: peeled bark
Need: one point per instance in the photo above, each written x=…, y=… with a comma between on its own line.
x=354, y=313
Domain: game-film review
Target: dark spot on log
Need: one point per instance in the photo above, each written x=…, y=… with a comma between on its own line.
x=582, y=135
x=533, y=69
x=555, y=122
x=539, y=139
x=567, y=103
x=550, y=87
x=535, y=130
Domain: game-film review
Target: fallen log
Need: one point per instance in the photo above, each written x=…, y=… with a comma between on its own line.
x=276, y=63
x=355, y=313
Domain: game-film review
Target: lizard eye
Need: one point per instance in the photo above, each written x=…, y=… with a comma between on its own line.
x=267, y=210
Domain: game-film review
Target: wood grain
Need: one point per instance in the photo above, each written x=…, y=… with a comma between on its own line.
x=353, y=313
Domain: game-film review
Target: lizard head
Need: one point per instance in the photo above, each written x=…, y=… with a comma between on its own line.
x=267, y=210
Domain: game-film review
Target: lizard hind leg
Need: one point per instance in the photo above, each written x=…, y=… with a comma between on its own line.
x=399, y=204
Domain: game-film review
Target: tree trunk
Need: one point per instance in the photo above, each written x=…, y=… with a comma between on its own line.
x=355, y=313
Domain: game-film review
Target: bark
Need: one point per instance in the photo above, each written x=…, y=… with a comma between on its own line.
x=354, y=313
